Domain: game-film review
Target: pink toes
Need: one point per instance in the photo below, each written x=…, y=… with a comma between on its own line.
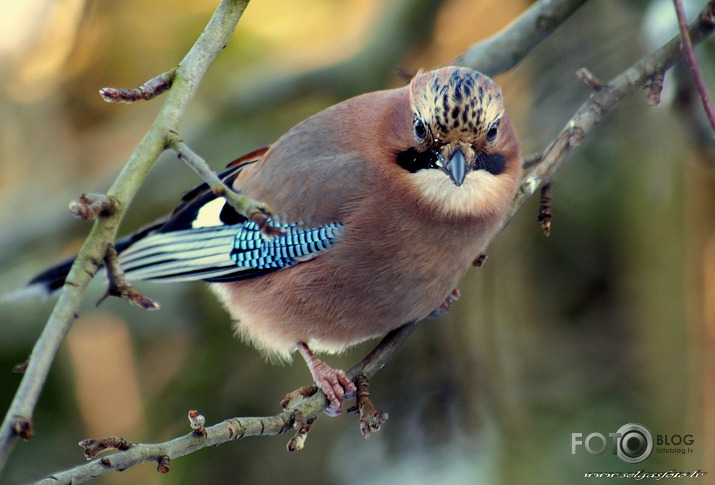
x=335, y=383
x=446, y=305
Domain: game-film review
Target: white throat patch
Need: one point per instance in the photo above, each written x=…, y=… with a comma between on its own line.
x=481, y=193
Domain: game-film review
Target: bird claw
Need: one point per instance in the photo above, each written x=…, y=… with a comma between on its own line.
x=446, y=305
x=335, y=383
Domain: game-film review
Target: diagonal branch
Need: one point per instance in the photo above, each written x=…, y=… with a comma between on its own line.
x=603, y=100
x=119, y=286
x=186, y=78
x=306, y=410
x=403, y=25
x=507, y=48
x=397, y=33
x=693, y=62
x=255, y=211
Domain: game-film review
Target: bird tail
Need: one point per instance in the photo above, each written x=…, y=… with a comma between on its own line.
x=172, y=248
x=187, y=255
x=48, y=283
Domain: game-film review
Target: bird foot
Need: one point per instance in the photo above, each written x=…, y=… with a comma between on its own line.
x=335, y=383
x=446, y=305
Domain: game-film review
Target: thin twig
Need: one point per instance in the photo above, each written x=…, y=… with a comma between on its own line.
x=371, y=418
x=601, y=103
x=545, y=209
x=163, y=464
x=655, y=87
x=149, y=90
x=197, y=422
x=304, y=409
x=89, y=207
x=530, y=161
x=119, y=286
x=92, y=448
x=396, y=34
x=256, y=211
x=302, y=426
x=709, y=12
x=507, y=48
x=401, y=28
x=589, y=78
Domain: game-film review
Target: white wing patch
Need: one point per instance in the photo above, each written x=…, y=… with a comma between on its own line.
x=209, y=214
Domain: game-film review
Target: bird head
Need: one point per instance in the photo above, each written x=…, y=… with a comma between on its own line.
x=465, y=154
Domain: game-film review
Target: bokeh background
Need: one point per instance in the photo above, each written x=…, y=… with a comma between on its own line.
x=610, y=320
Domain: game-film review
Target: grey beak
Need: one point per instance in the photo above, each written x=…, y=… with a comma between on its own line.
x=457, y=167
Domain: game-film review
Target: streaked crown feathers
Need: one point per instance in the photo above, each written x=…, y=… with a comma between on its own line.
x=456, y=104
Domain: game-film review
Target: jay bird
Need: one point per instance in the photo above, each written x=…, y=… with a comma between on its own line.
x=384, y=200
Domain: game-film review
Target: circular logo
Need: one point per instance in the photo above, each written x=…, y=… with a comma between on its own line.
x=635, y=443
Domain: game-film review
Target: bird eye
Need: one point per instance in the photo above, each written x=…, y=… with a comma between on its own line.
x=420, y=130
x=492, y=133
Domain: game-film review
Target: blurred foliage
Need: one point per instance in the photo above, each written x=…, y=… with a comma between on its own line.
x=610, y=320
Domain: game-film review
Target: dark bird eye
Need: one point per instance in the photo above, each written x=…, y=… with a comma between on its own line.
x=420, y=130
x=492, y=133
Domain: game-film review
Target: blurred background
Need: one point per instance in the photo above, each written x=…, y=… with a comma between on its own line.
x=610, y=320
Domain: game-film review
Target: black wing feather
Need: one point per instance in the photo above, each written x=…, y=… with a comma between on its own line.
x=52, y=279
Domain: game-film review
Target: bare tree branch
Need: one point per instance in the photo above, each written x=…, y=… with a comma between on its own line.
x=602, y=101
x=187, y=76
x=149, y=90
x=507, y=48
x=394, y=35
x=253, y=210
x=89, y=207
x=403, y=25
x=304, y=410
x=119, y=286
x=692, y=60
